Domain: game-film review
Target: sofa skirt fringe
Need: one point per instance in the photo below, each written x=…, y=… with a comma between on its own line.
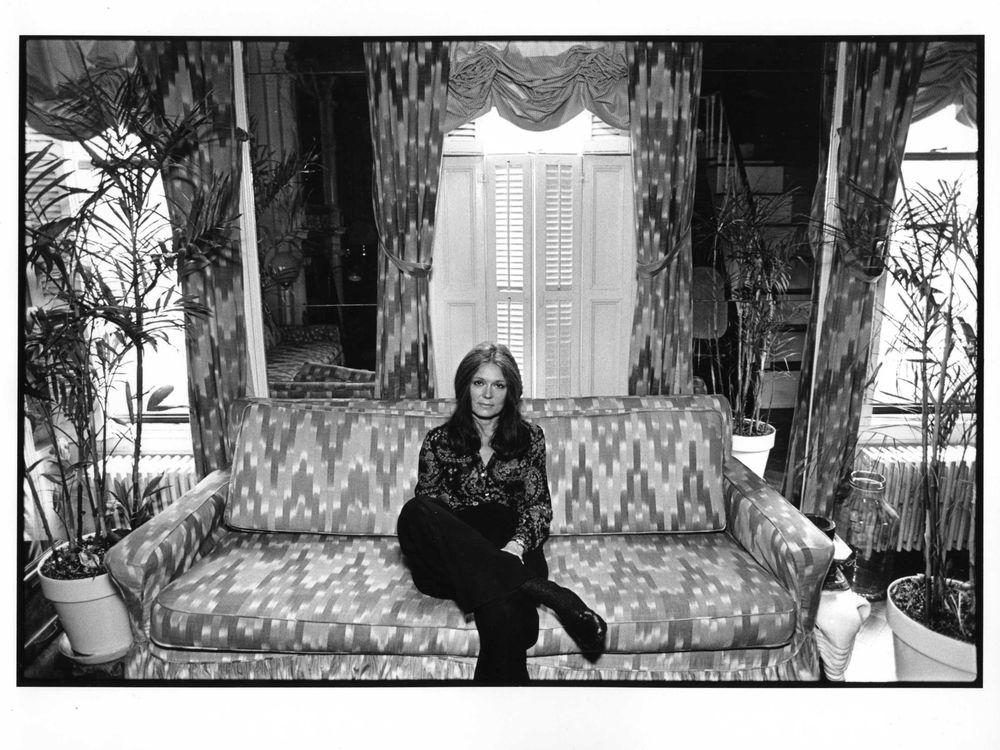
x=151, y=662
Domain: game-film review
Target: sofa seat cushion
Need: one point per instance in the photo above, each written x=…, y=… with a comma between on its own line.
x=322, y=593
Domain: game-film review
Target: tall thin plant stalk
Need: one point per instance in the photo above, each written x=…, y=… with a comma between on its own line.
x=759, y=262
x=934, y=261
x=109, y=263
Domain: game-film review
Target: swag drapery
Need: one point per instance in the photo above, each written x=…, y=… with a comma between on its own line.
x=418, y=91
x=180, y=75
x=879, y=93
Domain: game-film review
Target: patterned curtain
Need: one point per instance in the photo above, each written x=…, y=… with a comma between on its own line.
x=880, y=87
x=664, y=83
x=407, y=96
x=183, y=74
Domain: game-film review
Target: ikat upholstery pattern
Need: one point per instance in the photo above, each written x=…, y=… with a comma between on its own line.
x=407, y=95
x=294, y=592
x=142, y=564
x=183, y=74
x=318, y=372
x=614, y=464
x=209, y=601
x=882, y=80
x=792, y=662
x=317, y=380
x=664, y=82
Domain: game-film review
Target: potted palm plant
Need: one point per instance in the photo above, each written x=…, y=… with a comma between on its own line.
x=104, y=261
x=934, y=261
x=758, y=263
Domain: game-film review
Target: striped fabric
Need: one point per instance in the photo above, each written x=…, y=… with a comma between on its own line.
x=301, y=593
x=881, y=83
x=614, y=464
x=407, y=93
x=664, y=82
x=183, y=73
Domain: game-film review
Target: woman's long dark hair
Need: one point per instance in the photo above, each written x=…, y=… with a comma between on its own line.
x=512, y=437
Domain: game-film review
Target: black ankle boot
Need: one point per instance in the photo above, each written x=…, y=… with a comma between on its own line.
x=584, y=625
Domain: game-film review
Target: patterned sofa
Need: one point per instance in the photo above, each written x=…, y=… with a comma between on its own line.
x=286, y=566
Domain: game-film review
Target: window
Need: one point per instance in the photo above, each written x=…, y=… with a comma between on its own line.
x=535, y=249
x=939, y=149
x=166, y=365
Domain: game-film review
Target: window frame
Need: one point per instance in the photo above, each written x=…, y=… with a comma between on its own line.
x=900, y=421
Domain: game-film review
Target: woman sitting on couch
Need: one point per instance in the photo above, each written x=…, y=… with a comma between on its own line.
x=475, y=529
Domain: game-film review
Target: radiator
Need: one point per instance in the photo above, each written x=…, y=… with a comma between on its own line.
x=901, y=467
x=177, y=470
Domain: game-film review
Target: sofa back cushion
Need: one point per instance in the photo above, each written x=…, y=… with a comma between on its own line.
x=615, y=464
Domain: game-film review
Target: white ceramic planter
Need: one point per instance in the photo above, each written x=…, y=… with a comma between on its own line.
x=923, y=655
x=754, y=450
x=92, y=613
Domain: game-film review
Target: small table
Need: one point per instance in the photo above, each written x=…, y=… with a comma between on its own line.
x=840, y=616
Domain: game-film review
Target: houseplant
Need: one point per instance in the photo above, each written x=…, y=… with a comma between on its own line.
x=758, y=262
x=933, y=259
x=105, y=261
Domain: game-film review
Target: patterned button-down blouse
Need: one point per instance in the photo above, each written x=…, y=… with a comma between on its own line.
x=462, y=481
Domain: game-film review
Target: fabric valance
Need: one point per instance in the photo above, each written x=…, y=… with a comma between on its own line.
x=949, y=76
x=54, y=66
x=538, y=85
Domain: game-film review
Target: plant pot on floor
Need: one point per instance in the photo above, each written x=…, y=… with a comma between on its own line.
x=753, y=450
x=92, y=613
x=923, y=655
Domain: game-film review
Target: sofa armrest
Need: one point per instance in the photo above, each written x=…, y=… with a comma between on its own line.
x=779, y=537
x=161, y=549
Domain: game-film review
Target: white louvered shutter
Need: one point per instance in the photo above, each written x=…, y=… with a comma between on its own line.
x=510, y=251
x=607, y=274
x=460, y=275
x=558, y=251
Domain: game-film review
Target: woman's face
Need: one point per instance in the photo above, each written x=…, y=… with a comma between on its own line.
x=488, y=391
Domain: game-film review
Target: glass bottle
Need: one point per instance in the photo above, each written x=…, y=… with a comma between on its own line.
x=868, y=524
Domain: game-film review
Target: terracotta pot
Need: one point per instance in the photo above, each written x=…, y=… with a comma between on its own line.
x=754, y=450
x=91, y=612
x=923, y=655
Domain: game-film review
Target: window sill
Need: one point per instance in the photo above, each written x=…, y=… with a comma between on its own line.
x=898, y=429
x=158, y=438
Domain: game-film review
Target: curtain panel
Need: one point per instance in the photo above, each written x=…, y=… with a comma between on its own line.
x=663, y=88
x=407, y=96
x=880, y=89
x=183, y=75
x=538, y=85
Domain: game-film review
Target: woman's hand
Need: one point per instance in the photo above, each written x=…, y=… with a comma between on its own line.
x=514, y=548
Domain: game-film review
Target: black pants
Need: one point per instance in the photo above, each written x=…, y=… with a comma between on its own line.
x=457, y=555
